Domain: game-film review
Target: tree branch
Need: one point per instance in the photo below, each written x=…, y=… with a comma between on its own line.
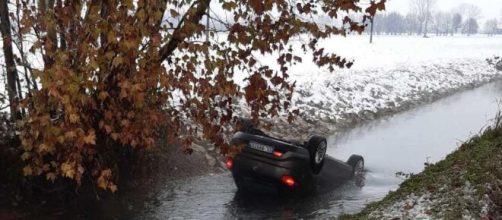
x=192, y=17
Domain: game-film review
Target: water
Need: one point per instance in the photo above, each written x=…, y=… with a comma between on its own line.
x=399, y=143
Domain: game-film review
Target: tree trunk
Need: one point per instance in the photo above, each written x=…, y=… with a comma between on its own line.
x=425, y=26
x=5, y=29
x=371, y=31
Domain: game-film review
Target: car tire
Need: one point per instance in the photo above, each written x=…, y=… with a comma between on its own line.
x=357, y=164
x=247, y=126
x=317, y=147
x=239, y=183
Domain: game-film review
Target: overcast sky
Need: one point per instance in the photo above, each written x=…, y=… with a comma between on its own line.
x=491, y=8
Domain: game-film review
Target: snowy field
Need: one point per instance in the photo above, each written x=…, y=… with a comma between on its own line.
x=391, y=51
x=393, y=72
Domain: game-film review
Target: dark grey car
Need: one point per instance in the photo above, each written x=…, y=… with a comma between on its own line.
x=271, y=164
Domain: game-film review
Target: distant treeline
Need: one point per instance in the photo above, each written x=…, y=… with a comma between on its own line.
x=463, y=19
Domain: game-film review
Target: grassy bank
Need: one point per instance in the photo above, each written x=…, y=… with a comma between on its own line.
x=465, y=185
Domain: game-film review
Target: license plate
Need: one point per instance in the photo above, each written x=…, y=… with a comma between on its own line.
x=261, y=147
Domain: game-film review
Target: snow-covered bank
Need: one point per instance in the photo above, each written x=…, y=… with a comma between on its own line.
x=349, y=97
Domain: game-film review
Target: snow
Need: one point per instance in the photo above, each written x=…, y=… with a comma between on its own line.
x=393, y=72
x=392, y=51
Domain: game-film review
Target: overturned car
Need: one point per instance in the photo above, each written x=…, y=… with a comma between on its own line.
x=286, y=166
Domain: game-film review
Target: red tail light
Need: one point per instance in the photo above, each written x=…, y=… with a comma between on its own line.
x=229, y=163
x=277, y=153
x=288, y=181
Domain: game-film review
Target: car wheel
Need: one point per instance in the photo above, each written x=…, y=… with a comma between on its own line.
x=239, y=183
x=357, y=164
x=317, y=147
x=247, y=126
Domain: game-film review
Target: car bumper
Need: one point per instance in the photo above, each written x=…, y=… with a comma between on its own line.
x=255, y=171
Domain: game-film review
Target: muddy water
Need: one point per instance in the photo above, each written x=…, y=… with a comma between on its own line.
x=400, y=143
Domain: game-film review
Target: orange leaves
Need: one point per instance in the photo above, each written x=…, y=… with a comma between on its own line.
x=108, y=129
x=129, y=44
x=376, y=6
x=268, y=4
x=174, y=13
x=94, y=98
x=74, y=118
x=51, y=177
x=115, y=136
x=112, y=187
x=262, y=45
x=257, y=5
x=229, y=5
x=276, y=80
x=104, y=181
x=25, y=156
x=90, y=138
x=111, y=37
x=68, y=170
x=141, y=15
x=103, y=95
x=27, y=171
x=128, y=4
x=117, y=61
x=70, y=135
x=256, y=88
x=45, y=148
x=306, y=8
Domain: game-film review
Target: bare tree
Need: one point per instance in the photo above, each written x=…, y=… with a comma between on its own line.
x=456, y=23
x=491, y=27
x=412, y=25
x=470, y=11
x=378, y=24
x=442, y=23
x=395, y=23
x=371, y=29
x=423, y=10
x=448, y=23
x=471, y=27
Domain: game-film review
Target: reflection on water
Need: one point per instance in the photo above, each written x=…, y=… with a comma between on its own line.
x=216, y=198
x=401, y=143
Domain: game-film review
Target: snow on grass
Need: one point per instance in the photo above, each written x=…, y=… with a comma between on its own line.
x=438, y=205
